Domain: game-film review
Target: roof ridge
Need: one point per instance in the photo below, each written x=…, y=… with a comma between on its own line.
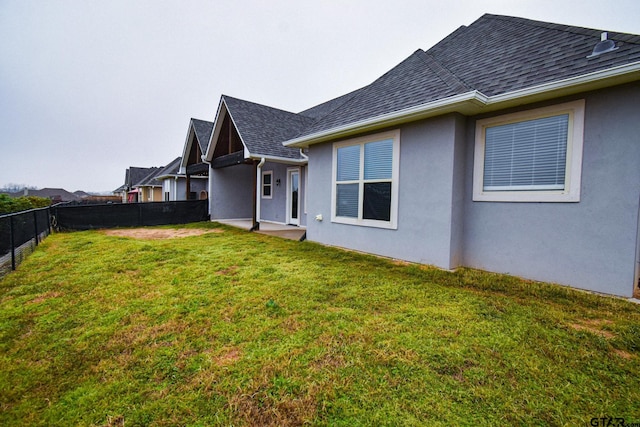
x=262, y=105
x=446, y=75
x=574, y=29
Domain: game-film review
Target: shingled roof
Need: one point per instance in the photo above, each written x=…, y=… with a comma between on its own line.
x=203, y=131
x=263, y=129
x=492, y=56
x=172, y=168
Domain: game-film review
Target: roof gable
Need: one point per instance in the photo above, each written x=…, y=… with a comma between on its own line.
x=262, y=129
x=202, y=130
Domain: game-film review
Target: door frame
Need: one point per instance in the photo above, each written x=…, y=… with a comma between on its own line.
x=290, y=173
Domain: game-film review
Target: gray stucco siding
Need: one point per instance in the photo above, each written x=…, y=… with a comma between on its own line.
x=426, y=207
x=231, y=192
x=590, y=244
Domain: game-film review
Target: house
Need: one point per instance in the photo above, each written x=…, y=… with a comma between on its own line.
x=252, y=176
x=134, y=176
x=56, y=195
x=510, y=146
x=174, y=185
x=150, y=187
x=192, y=166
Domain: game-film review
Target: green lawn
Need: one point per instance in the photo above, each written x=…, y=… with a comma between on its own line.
x=236, y=328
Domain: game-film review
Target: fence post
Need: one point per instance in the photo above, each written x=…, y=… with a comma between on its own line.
x=11, y=240
x=35, y=225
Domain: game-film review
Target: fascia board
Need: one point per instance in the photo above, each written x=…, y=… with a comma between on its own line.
x=475, y=102
x=440, y=106
x=186, y=148
x=276, y=159
x=217, y=125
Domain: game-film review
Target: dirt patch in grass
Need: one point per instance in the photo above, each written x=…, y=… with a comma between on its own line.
x=158, y=234
x=230, y=356
x=45, y=297
x=595, y=327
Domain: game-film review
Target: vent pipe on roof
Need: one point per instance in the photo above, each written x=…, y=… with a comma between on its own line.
x=603, y=46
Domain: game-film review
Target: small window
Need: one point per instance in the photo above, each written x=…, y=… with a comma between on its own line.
x=531, y=156
x=366, y=180
x=267, y=185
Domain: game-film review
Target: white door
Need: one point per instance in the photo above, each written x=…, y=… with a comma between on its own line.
x=293, y=191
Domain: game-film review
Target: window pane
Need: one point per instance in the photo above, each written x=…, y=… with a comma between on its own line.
x=266, y=179
x=378, y=159
x=347, y=200
x=377, y=201
x=348, y=163
x=266, y=190
x=529, y=155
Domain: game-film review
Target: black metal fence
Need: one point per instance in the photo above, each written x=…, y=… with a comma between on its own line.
x=90, y=217
x=20, y=233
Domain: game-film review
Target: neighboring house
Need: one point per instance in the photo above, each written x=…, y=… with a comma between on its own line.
x=251, y=174
x=510, y=146
x=134, y=177
x=174, y=185
x=56, y=195
x=150, y=188
x=192, y=166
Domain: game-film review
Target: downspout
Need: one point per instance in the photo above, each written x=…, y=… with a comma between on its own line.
x=256, y=223
x=209, y=186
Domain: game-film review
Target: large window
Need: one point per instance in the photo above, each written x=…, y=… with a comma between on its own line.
x=365, y=180
x=531, y=156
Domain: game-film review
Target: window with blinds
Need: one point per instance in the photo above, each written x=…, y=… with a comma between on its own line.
x=530, y=156
x=364, y=184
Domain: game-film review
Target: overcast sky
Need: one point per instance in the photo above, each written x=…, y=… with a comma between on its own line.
x=89, y=88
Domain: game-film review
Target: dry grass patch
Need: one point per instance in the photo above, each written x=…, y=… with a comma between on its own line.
x=160, y=233
x=595, y=327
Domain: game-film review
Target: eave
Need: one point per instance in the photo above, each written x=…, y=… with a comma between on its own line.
x=475, y=102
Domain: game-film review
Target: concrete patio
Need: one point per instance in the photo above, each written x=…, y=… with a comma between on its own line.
x=269, y=228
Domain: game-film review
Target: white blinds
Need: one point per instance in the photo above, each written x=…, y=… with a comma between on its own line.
x=378, y=159
x=528, y=155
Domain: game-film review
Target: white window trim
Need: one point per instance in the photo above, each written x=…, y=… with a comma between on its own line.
x=263, y=185
x=395, y=175
x=573, y=170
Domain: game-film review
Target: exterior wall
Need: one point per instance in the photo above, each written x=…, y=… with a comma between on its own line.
x=198, y=184
x=590, y=244
x=275, y=209
x=231, y=192
x=177, y=188
x=157, y=194
x=429, y=203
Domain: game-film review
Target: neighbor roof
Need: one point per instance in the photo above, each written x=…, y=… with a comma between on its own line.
x=263, y=129
x=203, y=131
x=172, y=168
x=494, y=55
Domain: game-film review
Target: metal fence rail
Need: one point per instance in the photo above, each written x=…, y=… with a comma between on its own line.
x=20, y=233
